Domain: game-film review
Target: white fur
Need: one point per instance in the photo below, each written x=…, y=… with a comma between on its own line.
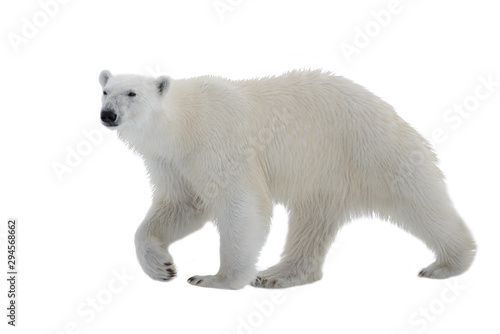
x=323, y=146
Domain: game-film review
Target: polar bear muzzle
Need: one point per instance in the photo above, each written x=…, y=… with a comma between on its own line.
x=108, y=117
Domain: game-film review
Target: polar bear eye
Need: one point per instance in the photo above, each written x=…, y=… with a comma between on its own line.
x=131, y=94
x=105, y=93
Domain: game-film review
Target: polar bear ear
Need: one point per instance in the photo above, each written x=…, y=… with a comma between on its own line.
x=104, y=77
x=162, y=84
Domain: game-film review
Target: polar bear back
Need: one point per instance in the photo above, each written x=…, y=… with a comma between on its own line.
x=305, y=134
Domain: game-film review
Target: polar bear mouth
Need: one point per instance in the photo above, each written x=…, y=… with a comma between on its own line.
x=110, y=125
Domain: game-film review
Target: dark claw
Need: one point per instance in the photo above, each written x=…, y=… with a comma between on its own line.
x=199, y=282
x=190, y=279
x=168, y=263
x=274, y=282
x=165, y=279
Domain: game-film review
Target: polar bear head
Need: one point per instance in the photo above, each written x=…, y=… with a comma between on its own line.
x=129, y=99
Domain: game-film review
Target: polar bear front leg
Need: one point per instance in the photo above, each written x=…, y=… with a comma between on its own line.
x=243, y=224
x=164, y=223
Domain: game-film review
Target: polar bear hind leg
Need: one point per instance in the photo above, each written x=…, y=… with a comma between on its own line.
x=441, y=228
x=312, y=227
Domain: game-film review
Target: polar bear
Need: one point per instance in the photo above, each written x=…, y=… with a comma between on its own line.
x=326, y=148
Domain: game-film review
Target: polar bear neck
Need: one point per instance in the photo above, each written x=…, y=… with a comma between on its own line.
x=152, y=137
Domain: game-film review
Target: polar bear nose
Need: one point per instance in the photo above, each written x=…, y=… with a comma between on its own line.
x=108, y=116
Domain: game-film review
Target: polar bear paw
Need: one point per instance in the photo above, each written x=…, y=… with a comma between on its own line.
x=217, y=282
x=275, y=282
x=158, y=264
x=439, y=271
x=283, y=276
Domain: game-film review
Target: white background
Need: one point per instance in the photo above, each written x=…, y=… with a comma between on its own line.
x=76, y=232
